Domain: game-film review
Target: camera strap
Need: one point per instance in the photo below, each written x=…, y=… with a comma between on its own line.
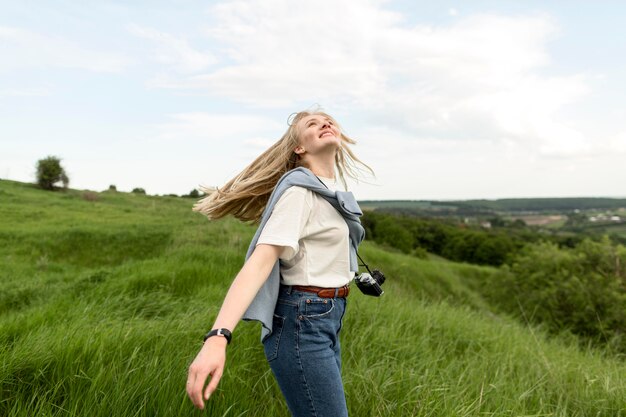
x=363, y=263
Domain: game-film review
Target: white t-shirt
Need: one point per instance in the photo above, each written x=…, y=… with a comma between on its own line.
x=315, y=238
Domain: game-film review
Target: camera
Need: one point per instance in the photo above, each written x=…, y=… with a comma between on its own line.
x=370, y=283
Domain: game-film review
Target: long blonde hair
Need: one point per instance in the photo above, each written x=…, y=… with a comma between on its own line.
x=246, y=195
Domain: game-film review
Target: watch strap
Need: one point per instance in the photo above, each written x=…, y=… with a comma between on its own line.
x=219, y=332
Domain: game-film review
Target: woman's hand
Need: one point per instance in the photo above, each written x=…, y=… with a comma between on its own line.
x=209, y=361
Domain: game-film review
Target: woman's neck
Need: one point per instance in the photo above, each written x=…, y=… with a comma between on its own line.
x=326, y=170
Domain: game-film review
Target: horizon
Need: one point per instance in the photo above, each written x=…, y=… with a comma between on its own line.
x=360, y=199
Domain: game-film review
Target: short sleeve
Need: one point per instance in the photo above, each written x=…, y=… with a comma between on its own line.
x=285, y=226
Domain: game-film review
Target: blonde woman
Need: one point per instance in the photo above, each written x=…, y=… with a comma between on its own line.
x=298, y=266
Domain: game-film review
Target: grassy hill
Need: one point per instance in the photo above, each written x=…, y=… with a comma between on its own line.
x=104, y=298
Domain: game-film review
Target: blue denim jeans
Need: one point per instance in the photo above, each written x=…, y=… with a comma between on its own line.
x=304, y=354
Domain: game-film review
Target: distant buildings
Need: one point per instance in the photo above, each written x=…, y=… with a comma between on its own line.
x=605, y=218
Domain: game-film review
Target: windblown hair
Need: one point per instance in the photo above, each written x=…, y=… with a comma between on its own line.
x=246, y=195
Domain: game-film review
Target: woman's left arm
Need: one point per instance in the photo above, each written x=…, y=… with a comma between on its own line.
x=212, y=356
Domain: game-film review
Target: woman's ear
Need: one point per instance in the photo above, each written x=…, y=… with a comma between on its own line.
x=299, y=150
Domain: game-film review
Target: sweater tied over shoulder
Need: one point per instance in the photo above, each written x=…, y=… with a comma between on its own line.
x=263, y=305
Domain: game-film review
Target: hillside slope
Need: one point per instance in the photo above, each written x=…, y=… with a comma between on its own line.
x=104, y=299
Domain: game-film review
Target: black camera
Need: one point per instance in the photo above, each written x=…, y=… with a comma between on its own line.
x=370, y=283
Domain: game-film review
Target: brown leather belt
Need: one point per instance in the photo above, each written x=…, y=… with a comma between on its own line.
x=341, y=292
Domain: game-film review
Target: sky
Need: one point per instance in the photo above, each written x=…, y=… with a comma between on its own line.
x=446, y=100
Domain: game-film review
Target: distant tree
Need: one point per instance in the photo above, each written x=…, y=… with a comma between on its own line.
x=430, y=235
x=497, y=222
x=493, y=250
x=50, y=172
x=194, y=193
x=519, y=223
x=139, y=190
x=112, y=187
x=389, y=232
x=576, y=219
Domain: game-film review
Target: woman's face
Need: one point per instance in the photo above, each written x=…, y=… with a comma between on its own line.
x=318, y=135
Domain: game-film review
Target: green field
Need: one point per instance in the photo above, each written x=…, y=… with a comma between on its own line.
x=104, y=300
x=618, y=229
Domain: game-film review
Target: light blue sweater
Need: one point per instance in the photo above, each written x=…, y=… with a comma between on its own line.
x=262, y=307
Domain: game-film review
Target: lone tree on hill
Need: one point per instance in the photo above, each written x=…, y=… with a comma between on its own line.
x=49, y=172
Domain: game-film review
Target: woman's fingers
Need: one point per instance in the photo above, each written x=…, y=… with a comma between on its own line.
x=195, y=390
x=196, y=381
x=209, y=361
x=215, y=379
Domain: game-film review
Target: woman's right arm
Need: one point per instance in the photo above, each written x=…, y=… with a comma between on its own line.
x=212, y=356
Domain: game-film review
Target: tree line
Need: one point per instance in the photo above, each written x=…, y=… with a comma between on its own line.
x=451, y=239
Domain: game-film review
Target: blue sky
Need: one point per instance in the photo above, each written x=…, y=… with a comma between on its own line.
x=475, y=99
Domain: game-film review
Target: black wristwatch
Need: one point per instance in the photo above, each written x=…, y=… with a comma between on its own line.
x=220, y=332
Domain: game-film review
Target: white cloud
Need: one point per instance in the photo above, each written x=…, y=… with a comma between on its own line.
x=23, y=48
x=215, y=127
x=475, y=79
x=259, y=143
x=618, y=143
x=174, y=51
x=24, y=92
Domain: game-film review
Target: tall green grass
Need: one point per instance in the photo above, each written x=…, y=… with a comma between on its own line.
x=103, y=305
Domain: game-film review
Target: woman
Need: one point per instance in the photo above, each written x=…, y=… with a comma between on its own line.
x=298, y=267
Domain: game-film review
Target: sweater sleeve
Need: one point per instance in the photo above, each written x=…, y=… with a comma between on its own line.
x=286, y=224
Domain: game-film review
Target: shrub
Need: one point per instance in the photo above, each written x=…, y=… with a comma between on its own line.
x=420, y=253
x=139, y=191
x=50, y=172
x=194, y=194
x=112, y=187
x=582, y=289
x=90, y=196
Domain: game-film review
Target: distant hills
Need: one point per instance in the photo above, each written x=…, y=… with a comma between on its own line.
x=502, y=205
